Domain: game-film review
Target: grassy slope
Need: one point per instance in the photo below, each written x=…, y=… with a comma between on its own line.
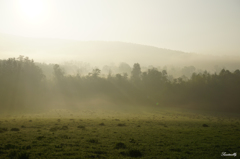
x=155, y=134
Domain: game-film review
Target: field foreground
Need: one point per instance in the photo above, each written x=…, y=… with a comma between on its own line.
x=94, y=134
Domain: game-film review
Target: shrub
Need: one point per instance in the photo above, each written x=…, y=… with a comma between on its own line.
x=3, y=130
x=65, y=137
x=26, y=147
x=121, y=124
x=81, y=127
x=15, y=129
x=58, y=146
x=10, y=146
x=132, y=140
x=23, y=155
x=64, y=128
x=176, y=149
x=120, y=145
x=135, y=153
x=12, y=154
x=123, y=153
x=205, y=125
x=40, y=137
x=95, y=141
x=99, y=152
x=102, y=124
x=54, y=129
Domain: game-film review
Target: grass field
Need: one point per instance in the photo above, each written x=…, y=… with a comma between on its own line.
x=160, y=133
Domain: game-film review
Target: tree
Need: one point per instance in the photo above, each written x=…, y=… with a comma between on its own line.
x=124, y=68
x=58, y=72
x=136, y=73
x=188, y=71
x=21, y=83
x=95, y=73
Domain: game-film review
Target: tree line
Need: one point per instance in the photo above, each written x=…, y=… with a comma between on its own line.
x=25, y=87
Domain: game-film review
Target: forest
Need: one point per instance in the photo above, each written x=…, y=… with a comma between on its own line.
x=24, y=87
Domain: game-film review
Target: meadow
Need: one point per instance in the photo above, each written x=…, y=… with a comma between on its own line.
x=156, y=133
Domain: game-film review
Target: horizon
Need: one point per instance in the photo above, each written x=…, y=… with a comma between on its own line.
x=78, y=40
x=101, y=53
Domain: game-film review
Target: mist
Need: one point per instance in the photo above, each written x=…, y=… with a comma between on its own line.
x=119, y=79
x=71, y=73
x=101, y=53
x=29, y=85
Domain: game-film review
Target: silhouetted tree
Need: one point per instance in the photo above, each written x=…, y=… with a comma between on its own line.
x=58, y=72
x=95, y=73
x=136, y=73
x=124, y=68
x=23, y=85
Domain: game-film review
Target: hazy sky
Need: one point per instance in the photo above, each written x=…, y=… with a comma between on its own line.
x=201, y=26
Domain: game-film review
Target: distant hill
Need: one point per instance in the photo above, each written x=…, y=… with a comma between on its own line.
x=103, y=52
x=58, y=49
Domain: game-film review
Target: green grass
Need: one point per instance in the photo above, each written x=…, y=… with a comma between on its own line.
x=156, y=134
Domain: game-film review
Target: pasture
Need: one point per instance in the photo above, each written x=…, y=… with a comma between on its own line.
x=156, y=133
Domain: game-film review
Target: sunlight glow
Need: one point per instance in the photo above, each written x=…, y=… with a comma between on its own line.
x=33, y=17
x=175, y=25
x=31, y=9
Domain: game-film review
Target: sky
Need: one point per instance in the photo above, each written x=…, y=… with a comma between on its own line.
x=196, y=26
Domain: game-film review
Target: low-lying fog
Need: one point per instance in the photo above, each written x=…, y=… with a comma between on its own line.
x=118, y=57
x=71, y=74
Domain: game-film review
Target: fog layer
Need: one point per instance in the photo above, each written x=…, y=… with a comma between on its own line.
x=25, y=88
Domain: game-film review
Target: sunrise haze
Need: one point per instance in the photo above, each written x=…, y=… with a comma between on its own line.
x=205, y=27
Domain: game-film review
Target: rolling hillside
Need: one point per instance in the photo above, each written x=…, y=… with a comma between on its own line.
x=104, y=52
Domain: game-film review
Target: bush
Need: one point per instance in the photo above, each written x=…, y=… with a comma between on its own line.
x=65, y=137
x=10, y=146
x=120, y=145
x=135, y=153
x=26, y=147
x=3, y=130
x=121, y=124
x=81, y=127
x=205, y=125
x=102, y=124
x=95, y=141
x=23, y=155
x=64, y=128
x=54, y=129
x=15, y=129
x=132, y=140
x=40, y=137
x=12, y=154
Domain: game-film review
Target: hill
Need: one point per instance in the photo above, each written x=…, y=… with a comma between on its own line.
x=90, y=51
x=100, y=53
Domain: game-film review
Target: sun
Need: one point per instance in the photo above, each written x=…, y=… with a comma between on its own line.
x=34, y=17
x=31, y=9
